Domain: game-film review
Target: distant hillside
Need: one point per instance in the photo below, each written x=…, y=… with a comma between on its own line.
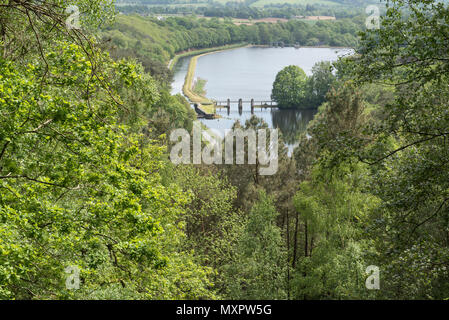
x=349, y=3
x=248, y=9
x=154, y=42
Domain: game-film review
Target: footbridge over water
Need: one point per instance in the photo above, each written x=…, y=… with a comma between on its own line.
x=226, y=104
x=253, y=104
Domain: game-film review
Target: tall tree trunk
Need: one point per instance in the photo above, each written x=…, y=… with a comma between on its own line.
x=288, y=252
x=295, y=243
x=311, y=245
x=306, y=243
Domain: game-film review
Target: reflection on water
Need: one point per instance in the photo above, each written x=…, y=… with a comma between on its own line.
x=291, y=123
x=250, y=72
x=179, y=74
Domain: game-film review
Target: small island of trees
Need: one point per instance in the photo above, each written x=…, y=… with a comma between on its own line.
x=293, y=89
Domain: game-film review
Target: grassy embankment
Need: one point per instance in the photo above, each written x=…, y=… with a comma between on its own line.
x=204, y=103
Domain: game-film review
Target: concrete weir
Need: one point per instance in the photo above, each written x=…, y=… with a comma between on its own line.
x=253, y=104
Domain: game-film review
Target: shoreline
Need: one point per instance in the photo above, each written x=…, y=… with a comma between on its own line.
x=205, y=104
x=316, y=47
x=192, y=52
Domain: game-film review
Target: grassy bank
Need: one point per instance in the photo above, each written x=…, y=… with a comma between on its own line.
x=188, y=84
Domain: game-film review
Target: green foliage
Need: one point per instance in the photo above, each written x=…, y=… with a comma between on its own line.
x=338, y=127
x=257, y=271
x=320, y=83
x=80, y=183
x=83, y=195
x=170, y=112
x=293, y=89
x=198, y=87
x=249, y=9
x=289, y=87
x=409, y=153
x=212, y=224
x=334, y=208
x=85, y=181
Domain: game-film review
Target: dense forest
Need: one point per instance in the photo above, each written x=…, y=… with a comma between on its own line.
x=86, y=182
x=243, y=10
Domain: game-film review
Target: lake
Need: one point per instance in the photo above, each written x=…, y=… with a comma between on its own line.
x=249, y=73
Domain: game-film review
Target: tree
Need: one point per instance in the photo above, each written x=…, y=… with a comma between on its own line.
x=212, y=224
x=289, y=87
x=408, y=154
x=333, y=211
x=80, y=182
x=257, y=271
x=319, y=84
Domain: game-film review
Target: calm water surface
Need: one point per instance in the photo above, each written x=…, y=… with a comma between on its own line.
x=249, y=73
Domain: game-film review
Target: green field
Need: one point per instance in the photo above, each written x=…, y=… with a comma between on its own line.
x=261, y=3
